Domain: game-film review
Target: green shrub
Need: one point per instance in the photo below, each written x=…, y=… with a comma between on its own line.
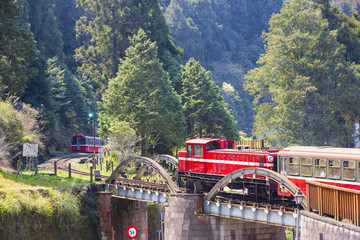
x=46, y=214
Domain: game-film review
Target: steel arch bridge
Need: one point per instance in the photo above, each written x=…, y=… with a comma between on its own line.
x=150, y=163
x=277, y=177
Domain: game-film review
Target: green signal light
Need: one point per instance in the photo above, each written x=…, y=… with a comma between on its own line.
x=91, y=115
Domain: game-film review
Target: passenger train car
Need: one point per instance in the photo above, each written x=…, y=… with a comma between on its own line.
x=211, y=159
x=328, y=165
x=81, y=143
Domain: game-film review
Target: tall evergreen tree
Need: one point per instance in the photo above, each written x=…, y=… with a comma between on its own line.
x=106, y=28
x=45, y=28
x=205, y=110
x=142, y=96
x=305, y=91
x=43, y=23
x=67, y=13
x=17, y=48
x=67, y=111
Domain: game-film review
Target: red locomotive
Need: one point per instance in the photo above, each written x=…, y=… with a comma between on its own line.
x=81, y=143
x=216, y=158
x=210, y=159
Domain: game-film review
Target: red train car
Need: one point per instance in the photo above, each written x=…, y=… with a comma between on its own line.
x=338, y=167
x=211, y=158
x=81, y=143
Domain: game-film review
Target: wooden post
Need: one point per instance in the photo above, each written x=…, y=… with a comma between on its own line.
x=55, y=169
x=69, y=170
x=337, y=203
x=91, y=174
x=357, y=210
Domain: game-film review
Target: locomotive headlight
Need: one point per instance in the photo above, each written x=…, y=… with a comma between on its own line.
x=270, y=158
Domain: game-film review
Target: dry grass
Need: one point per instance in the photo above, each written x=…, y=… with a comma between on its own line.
x=5, y=164
x=6, y=184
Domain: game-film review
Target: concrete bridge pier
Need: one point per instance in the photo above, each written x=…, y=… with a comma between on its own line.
x=183, y=220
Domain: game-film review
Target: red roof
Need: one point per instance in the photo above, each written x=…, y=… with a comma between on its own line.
x=202, y=140
x=82, y=136
x=326, y=152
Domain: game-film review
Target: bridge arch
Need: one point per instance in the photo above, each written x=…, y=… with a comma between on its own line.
x=157, y=158
x=149, y=162
x=167, y=158
x=277, y=177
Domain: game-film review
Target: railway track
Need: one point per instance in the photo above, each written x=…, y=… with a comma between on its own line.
x=62, y=164
x=161, y=187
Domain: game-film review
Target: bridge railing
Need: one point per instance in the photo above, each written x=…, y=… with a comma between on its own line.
x=342, y=204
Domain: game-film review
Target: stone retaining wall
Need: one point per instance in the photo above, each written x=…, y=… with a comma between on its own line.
x=315, y=227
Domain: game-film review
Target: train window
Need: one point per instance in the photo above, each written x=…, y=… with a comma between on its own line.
x=82, y=141
x=189, y=150
x=349, y=170
x=282, y=168
x=306, y=166
x=198, y=150
x=334, y=168
x=74, y=141
x=320, y=167
x=212, y=146
x=293, y=165
x=229, y=145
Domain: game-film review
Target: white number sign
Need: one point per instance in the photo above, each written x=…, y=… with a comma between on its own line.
x=132, y=232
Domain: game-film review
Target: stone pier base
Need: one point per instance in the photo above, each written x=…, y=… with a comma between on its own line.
x=183, y=220
x=104, y=206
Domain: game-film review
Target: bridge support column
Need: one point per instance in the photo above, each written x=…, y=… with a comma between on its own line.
x=128, y=213
x=184, y=220
x=106, y=229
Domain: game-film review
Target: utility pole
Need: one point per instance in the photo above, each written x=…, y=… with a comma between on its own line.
x=92, y=121
x=94, y=140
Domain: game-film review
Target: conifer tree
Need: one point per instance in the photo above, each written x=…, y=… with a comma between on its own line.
x=205, y=110
x=17, y=48
x=142, y=96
